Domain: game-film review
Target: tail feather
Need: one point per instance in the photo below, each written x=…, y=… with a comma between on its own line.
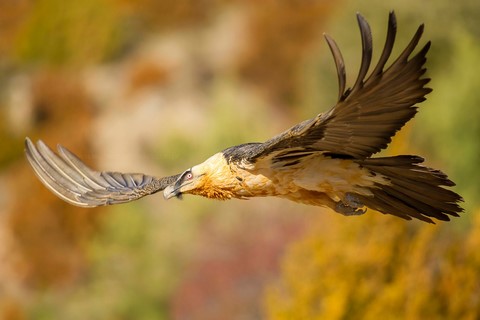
x=414, y=191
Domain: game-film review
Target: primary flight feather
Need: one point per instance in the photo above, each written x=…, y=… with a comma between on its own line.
x=324, y=161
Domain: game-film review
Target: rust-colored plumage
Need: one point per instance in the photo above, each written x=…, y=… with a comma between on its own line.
x=323, y=161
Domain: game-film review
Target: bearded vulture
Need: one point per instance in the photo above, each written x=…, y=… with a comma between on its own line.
x=323, y=161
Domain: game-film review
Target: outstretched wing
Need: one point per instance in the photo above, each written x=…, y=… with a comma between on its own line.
x=367, y=115
x=71, y=180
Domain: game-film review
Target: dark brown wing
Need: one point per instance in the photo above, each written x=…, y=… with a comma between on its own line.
x=71, y=180
x=367, y=115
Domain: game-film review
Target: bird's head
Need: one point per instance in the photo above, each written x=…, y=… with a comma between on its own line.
x=211, y=179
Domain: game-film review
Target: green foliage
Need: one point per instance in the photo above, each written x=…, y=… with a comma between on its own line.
x=131, y=272
x=451, y=116
x=69, y=32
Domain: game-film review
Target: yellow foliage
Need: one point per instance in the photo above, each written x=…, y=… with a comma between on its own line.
x=377, y=267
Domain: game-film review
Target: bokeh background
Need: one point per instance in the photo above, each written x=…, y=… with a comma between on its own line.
x=158, y=86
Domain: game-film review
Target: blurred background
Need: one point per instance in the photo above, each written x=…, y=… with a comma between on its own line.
x=158, y=86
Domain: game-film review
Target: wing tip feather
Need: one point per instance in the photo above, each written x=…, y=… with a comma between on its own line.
x=65, y=175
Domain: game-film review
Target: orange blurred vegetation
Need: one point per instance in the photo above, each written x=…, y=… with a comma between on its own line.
x=49, y=234
x=373, y=268
x=282, y=34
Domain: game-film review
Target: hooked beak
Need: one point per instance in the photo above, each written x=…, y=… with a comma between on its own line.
x=174, y=190
x=170, y=192
x=184, y=184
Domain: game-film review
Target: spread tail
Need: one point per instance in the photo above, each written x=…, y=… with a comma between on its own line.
x=415, y=191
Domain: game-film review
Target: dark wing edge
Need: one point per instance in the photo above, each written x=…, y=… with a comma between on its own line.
x=74, y=182
x=369, y=114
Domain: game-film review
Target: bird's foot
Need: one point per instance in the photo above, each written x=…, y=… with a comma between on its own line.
x=350, y=208
x=353, y=201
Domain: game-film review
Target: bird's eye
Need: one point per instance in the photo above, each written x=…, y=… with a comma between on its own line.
x=188, y=176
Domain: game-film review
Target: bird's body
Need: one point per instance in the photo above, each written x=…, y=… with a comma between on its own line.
x=323, y=161
x=306, y=177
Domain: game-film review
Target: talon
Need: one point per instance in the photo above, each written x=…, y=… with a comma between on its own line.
x=353, y=201
x=359, y=212
x=347, y=210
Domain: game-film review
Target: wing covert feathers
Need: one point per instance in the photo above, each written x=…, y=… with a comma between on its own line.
x=71, y=180
x=369, y=114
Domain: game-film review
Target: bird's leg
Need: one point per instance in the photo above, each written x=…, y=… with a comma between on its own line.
x=347, y=210
x=350, y=206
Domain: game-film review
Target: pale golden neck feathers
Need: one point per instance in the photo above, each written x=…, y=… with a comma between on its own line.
x=216, y=179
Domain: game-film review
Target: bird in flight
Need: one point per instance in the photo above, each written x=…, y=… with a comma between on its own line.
x=323, y=161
